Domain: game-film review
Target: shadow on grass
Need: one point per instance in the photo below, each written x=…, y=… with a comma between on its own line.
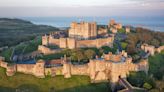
x=22, y=88
x=98, y=87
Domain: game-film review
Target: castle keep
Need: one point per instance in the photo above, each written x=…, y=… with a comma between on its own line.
x=81, y=35
x=83, y=30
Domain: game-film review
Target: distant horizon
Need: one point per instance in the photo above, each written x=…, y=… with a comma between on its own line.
x=70, y=8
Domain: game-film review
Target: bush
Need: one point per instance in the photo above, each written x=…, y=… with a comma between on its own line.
x=147, y=86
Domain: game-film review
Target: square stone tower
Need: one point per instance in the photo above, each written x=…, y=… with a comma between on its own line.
x=83, y=30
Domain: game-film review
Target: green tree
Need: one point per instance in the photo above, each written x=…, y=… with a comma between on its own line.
x=77, y=55
x=155, y=42
x=89, y=53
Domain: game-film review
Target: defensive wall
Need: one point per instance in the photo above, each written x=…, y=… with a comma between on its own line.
x=99, y=69
x=151, y=49
x=75, y=43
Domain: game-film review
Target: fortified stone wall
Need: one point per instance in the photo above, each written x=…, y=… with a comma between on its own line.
x=35, y=69
x=10, y=70
x=53, y=41
x=161, y=48
x=25, y=68
x=95, y=43
x=45, y=50
x=151, y=49
x=53, y=71
x=98, y=69
x=72, y=43
x=79, y=69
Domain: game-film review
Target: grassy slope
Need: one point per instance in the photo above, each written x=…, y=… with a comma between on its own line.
x=59, y=83
x=14, y=31
x=27, y=46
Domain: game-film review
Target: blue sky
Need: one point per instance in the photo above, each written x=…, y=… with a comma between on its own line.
x=44, y=8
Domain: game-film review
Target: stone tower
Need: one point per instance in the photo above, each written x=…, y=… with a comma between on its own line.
x=39, y=69
x=45, y=40
x=83, y=30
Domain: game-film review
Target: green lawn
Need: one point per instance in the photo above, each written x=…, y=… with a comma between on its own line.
x=29, y=83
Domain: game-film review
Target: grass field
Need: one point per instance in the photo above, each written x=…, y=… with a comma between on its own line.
x=29, y=83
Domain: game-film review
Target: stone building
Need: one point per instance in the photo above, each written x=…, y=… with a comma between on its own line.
x=83, y=30
x=151, y=49
x=127, y=29
x=109, y=67
x=113, y=24
x=81, y=35
x=72, y=43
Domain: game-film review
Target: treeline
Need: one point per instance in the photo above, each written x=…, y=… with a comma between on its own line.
x=141, y=35
x=14, y=31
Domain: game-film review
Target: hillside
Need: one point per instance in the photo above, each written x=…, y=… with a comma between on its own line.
x=14, y=31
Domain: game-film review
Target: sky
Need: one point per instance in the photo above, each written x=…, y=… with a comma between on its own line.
x=50, y=8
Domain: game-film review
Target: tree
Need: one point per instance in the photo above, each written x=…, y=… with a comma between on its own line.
x=77, y=55
x=80, y=56
x=147, y=86
x=67, y=52
x=89, y=53
x=155, y=42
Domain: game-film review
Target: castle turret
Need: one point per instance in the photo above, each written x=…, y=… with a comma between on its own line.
x=66, y=68
x=39, y=69
x=45, y=40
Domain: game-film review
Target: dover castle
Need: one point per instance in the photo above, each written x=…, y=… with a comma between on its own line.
x=109, y=67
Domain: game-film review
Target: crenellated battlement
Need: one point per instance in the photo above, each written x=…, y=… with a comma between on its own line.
x=99, y=69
